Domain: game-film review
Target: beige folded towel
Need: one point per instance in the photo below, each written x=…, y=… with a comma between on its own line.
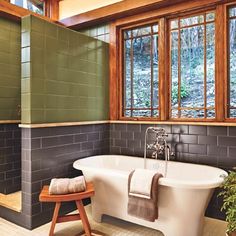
x=143, y=208
x=66, y=185
x=141, y=183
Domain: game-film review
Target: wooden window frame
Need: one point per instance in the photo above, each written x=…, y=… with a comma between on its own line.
x=227, y=63
x=178, y=17
x=121, y=70
x=163, y=16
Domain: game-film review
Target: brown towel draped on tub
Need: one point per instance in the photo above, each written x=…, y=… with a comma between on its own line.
x=146, y=209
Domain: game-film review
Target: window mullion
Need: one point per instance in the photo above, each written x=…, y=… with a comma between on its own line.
x=220, y=76
x=163, y=73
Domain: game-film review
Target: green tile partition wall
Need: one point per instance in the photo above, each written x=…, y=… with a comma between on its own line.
x=64, y=74
x=10, y=67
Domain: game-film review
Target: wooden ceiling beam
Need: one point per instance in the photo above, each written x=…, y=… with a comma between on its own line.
x=127, y=8
x=115, y=11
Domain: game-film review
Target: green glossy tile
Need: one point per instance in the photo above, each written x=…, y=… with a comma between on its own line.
x=25, y=54
x=25, y=70
x=51, y=30
x=15, y=36
x=37, y=39
x=38, y=24
x=4, y=34
x=37, y=101
x=4, y=46
x=63, y=47
x=5, y=24
x=5, y=58
x=37, y=116
x=52, y=101
x=25, y=39
x=37, y=55
x=63, y=34
x=37, y=85
x=26, y=101
x=26, y=116
x=37, y=70
x=63, y=60
x=26, y=24
x=25, y=86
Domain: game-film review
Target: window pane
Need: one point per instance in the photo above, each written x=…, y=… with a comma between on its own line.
x=193, y=68
x=36, y=6
x=192, y=113
x=174, y=24
x=142, y=31
x=210, y=55
x=127, y=34
x=141, y=85
x=142, y=72
x=232, y=38
x=232, y=113
x=191, y=21
x=210, y=16
x=128, y=73
x=232, y=12
x=141, y=113
x=155, y=71
x=174, y=67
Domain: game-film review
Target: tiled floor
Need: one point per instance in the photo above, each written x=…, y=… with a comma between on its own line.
x=12, y=201
x=110, y=226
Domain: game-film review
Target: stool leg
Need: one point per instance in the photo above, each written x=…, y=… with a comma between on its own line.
x=84, y=218
x=54, y=219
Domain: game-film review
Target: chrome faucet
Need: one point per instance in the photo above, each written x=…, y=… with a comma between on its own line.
x=158, y=147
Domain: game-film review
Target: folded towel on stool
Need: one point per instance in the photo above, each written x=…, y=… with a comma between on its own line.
x=66, y=185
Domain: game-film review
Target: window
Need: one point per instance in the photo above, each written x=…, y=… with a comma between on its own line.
x=192, y=66
x=36, y=6
x=140, y=72
x=232, y=64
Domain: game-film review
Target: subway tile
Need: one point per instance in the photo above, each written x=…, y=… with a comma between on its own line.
x=127, y=135
x=200, y=130
x=217, y=151
x=232, y=131
x=226, y=141
x=197, y=148
x=133, y=127
x=211, y=140
x=93, y=136
x=86, y=146
x=216, y=131
x=188, y=138
x=180, y=129
x=232, y=152
x=81, y=137
x=134, y=144
x=120, y=143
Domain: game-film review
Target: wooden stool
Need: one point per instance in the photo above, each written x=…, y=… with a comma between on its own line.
x=77, y=197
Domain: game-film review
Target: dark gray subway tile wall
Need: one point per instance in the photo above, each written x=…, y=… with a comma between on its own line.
x=10, y=158
x=50, y=152
x=209, y=145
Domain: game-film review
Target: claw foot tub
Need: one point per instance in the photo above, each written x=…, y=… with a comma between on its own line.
x=182, y=198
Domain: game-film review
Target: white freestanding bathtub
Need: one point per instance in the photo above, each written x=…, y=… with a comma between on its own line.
x=182, y=198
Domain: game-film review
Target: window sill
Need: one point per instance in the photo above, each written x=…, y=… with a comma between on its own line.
x=197, y=123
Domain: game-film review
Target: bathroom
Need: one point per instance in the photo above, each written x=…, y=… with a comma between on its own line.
x=72, y=86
